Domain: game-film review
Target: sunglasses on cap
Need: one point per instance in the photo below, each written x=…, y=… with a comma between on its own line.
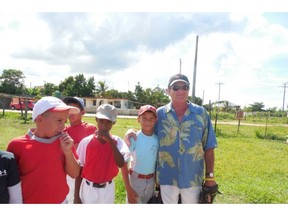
x=176, y=87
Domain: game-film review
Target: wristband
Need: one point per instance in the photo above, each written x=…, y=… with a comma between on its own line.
x=209, y=179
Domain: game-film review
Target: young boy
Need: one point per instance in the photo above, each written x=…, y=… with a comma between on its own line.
x=141, y=182
x=10, y=185
x=77, y=130
x=101, y=155
x=45, y=155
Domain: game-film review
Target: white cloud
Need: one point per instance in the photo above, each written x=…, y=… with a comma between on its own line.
x=245, y=51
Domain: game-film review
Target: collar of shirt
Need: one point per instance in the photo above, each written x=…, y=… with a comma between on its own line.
x=191, y=108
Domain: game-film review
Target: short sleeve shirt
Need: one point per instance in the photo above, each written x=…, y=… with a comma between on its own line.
x=41, y=164
x=144, y=151
x=97, y=159
x=182, y=145
x=8, y=174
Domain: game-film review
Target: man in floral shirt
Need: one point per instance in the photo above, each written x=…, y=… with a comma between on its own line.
x=187, y=142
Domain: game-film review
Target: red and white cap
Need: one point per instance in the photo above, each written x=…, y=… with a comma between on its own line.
x=52, y=104
x=146, y=108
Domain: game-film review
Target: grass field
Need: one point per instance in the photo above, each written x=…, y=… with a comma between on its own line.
x=248, y=168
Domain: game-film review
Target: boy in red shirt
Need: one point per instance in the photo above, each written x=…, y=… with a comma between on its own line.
x=77, y=130
x=101, y=155
x=45, y=155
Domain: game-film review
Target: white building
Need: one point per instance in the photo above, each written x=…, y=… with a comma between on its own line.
x=124, y=106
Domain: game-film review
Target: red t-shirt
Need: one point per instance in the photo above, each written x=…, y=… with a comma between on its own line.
x=78, y=132
x=41, y=168
x=97, y=160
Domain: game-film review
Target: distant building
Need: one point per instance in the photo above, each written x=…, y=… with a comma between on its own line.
x=124, y=106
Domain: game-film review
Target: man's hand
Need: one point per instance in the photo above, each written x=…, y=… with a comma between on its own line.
x=208, y=192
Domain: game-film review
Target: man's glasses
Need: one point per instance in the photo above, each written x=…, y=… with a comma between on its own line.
x=176, y=88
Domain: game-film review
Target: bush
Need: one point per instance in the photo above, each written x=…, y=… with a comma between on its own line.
x=269, y=136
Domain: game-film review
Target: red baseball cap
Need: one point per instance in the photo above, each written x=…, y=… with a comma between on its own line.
x=146, y=108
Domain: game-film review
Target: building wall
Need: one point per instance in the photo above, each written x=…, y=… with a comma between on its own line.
x=122, y=105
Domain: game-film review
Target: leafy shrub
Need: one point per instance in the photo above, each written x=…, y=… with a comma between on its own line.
x=269, y=136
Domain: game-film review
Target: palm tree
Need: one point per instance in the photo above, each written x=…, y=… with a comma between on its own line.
x=101, y=88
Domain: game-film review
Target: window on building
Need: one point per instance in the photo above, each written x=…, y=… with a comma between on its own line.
x=117, y=104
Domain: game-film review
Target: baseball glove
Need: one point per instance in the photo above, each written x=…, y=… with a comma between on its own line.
x=156, y=198
x=208, y=194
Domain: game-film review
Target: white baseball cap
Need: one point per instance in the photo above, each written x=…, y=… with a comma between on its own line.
x=52, y=104
x=107, y=111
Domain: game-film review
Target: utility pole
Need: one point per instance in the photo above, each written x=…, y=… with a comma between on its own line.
x=218, y=104
x=219, y=91
x=180, y=66
x=202, y=98
x=285, y=86
x=194, y=74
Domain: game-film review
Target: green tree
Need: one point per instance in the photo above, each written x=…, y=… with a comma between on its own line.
x=197, y=101
x=101, y=89
x=12, y=82
x=129, y=95
x=49, y=88
x=112, y=93
x=90, y=87
x=67, y=86
x=158, y=97
x=77, y=86
x=140, y=94
x=34, y=91
x=256, y=107
x=155, y=97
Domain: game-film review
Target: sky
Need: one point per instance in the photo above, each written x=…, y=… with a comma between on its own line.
x=242, y=54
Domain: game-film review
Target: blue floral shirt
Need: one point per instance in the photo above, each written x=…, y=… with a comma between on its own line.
x=182, y=145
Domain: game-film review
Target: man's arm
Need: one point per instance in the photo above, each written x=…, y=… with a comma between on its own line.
x=209, y=164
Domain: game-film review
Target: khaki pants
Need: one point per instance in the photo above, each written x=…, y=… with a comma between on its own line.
x=170, y=194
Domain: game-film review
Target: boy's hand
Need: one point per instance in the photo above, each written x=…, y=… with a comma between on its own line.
x=130, y=133
x=132, y=196
x=104, y=135
x=66, y=143
x=77, y=200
